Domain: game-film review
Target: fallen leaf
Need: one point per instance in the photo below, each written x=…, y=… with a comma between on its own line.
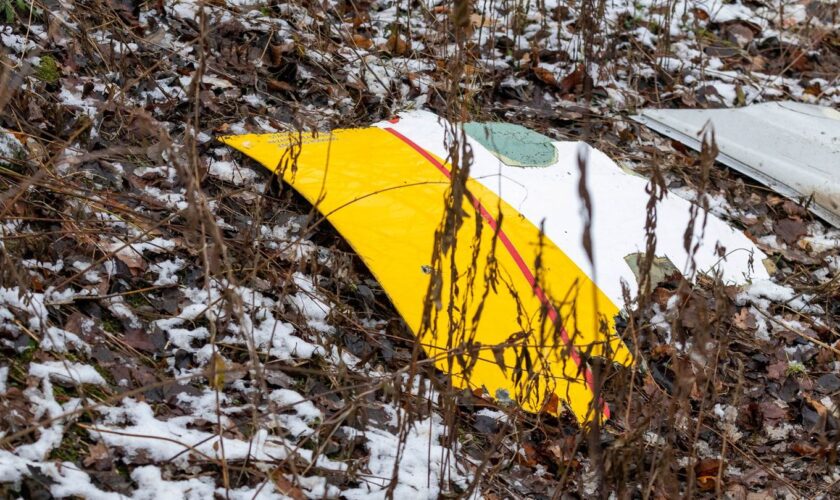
x=527, y=454
x=280, y=85
x=772, y=413
x=707, y=473
x=362, y=42
x=285, y=487
x=552, y=405
x=777, y=370
x=739, y=33
x=744, y=319
x=828, y=383
x=572, y=80
x=396, y=45
x=98, y=457
x=790, y=230
x=216, y=372
x=545, y=76
x=805, y=449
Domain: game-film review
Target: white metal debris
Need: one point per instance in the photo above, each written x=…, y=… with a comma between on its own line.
x=792, y=148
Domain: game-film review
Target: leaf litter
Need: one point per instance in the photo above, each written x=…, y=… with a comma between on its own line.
x=174, y=323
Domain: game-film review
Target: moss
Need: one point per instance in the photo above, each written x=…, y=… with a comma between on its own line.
x=135, y=300
x=111, y=325
x=105, y=374
x=47, y=70
x=72, y=445
x=19, y=368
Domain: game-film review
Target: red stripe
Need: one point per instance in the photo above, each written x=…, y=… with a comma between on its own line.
x=520, y=262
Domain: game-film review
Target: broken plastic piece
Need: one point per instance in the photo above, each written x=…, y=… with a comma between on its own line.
x=523, y=313
x=790, y=147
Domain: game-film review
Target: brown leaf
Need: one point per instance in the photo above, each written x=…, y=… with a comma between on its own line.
x=527, y=455
x=794, y=209
x=739, y=33
x=563, y=450
x=777, y=370
x=362, y=41
x=552, y=406
x=772, y=413
x=151, y=341
x=758, y=63
x=790, y=230
x=813, y=89
x=280, y=85
x=707, y=473
x=545, y=76
x=800, y=62
x=396, y=45
x=99, y=457
x=662, y=351
x=773, y=200
x=806, y=449
x=696, y=313
x=744, y=320
x=278, y=51
x=132, y=259
x=572, y=80
x=285, y=487
x=661, y=296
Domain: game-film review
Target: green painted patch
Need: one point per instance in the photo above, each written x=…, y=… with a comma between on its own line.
x=515, y=145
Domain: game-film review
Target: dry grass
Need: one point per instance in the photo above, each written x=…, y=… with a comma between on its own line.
x=664, y=427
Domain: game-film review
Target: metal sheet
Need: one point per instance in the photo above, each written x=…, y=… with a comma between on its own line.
x=528, y=274
x=527, y=326
x=793, y=148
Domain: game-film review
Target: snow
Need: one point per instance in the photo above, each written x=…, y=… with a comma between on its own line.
x=166, y=271
x=133, y=248
x=763, y=292
x=133, y=427
x=277, y=337
x=421, y=462
x=307, y=302
x=36, y=264
x=77, y=373
x=16, y=43
x=89, y=272
x=14, y=300
x=231, y=172
x=121, y=310
x=267, y=319
x=10, y=147
x=305, y=412
x=61, y=341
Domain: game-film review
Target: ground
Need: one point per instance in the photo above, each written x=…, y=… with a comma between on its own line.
x=173, y=325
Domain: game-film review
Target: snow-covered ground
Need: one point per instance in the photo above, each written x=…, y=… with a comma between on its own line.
x=130, y=332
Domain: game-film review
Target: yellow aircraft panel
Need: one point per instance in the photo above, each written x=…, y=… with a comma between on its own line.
x=500, y=325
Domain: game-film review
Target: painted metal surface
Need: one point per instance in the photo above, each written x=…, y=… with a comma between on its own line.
x=526, y=300
x=515, y=145
x=792, y=148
